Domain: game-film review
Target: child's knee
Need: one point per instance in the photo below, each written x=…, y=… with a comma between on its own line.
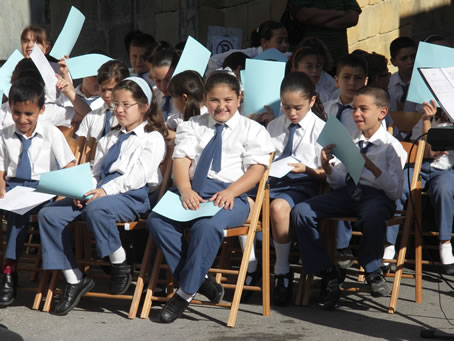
x=280, y=209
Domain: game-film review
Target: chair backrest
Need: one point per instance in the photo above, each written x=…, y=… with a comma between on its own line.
x=67, y=131
x=166, y=167
x=415, y=157
x=89, y=150
x=405, y=120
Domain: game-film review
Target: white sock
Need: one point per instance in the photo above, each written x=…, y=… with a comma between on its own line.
x=185, y=296
x=252, y=266
x=389, y=253
x=282, y=266
x=118, y=256
x=446, y=256
x=73, y=276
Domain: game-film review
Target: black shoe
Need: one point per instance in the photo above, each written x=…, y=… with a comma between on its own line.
x=212, y=290
x=120, y=278
x=72, y=295
x=8, y=283
x=344, y=258
x=385, y=269
x=377, y=284
x=255, y=276
x=448, y=269
x=329, y=290
x=282, y=295
x=173, y=309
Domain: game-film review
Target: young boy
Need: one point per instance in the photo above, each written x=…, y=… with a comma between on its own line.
x=89, y=91
x=141, y=45
x=403, y=54
x=351, y=75
x=27, y=149
x=98, y=123
x=372, y=201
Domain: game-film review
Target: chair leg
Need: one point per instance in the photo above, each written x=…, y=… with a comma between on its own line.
x=140, y=280
x=418, y=249
x=300, y=290
x=266, y=255
x=307, y=289
x=39, y=292
x=401, y=260
x=50, y=291
x=152, y=285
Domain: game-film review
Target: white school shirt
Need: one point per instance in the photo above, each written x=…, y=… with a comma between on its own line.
x=244, y=143
x=138, y=162
x=396, y=89
x=331, y=109
x=326, y=87
x=305, y=146
x=49, y=150
x=175, y=119
x=387, y=154
x=97, y=101
x=160, y=101
x=93, y=123
x=145, y=76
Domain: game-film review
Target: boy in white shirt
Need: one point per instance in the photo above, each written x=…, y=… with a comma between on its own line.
x=372, y=201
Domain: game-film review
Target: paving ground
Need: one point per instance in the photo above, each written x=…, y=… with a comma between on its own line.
x=358, y=317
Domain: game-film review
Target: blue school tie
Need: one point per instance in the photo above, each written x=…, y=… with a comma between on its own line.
x=403, y=98
x=288, y=149
x=24, y=168
x=341, y=109
x=355, y=190
x=166, y=107
x=107, y=123
x=211, y=152
x=112, y=154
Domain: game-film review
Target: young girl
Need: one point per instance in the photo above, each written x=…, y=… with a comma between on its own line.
x=99, y=122
x=225, y=155
x=270, y=34
x=34, y=34
x=293, y=134
x=127, y=160
x=188, y=95
x=163, y=64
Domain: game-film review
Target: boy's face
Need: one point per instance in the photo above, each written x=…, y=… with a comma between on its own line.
x=404, y=60
x=136, y=58
x=25, y=115
x=349, y=80
x=91, y=86
x=106, y=91
x=367, y=114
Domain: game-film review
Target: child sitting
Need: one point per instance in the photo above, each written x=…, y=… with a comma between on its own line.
x=28, y=148
x=372, y=201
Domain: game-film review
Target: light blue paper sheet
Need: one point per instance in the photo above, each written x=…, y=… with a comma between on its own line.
x=428, y=55
x=195, y=57
x=262, y=84
x=334, y=132
x=86, y=65
x=170, y=206
x=69, y=34
x=72, y=182
x=6, y=71
x=272, y=54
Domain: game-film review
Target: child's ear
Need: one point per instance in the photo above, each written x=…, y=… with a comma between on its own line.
x=185, y=98
x=337, y=81
x=313, y=99
x=393, y=61
x=383, y=113
x=42, y=109
x=366, y=80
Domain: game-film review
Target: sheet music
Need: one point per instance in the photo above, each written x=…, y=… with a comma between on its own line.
x=441, y=84
x=22, y=199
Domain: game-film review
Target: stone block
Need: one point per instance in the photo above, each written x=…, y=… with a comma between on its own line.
x=374, y=2
x=353, y=34
x=389, y=16
x=167, y=27
x=373, y=20
x=363, y=23
x=362, y=3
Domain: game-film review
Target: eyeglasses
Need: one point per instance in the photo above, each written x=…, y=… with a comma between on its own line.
x=126, y=107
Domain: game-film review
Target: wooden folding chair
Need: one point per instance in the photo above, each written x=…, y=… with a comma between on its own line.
x=413, y=209
x=405, y=120
x=250, y=228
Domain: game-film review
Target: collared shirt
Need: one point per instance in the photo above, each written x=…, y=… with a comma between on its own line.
x=305, y=146
x=387, y=154
x=138, y=162
x=396, y=89
x=160, y=99
x=93, y=123
x=331, y=109
x=175, y=119
x=95, y=102
x=49, y=150
x=326, y=87
x=244, y=143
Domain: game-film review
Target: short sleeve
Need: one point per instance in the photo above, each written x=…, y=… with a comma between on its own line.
x=186, y=141
x=258, y=146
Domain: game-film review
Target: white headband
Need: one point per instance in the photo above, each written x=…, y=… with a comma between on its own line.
x=144, y=86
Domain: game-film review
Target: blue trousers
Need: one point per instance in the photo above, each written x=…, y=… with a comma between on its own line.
x=440, y=187
x=372, y=210
x=18, y=224
x=190, y=261
x=101, y=215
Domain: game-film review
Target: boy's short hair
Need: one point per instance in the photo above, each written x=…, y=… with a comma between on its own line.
x=26, y=89
x=380, y=96
x=113, y=69
x=399, y=44
x=144, y=40
x=352, y=60
x=377, y=64
x=234, y=60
